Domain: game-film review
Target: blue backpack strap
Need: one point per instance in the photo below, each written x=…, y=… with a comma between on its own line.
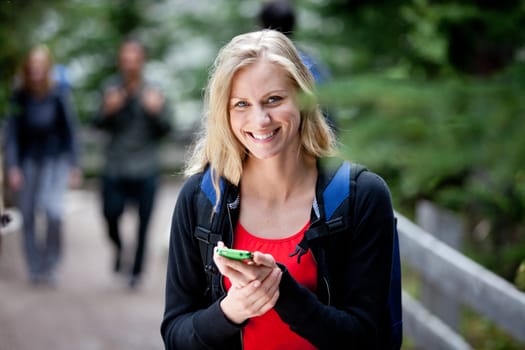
x=207, y=215
x=208, y=189
x=341, y=186
x=337, y=190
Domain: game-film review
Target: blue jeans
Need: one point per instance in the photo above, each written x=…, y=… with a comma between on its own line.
x=42, y=194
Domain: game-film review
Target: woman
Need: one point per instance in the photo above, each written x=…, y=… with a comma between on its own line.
x=264, y=136
x=41, y=153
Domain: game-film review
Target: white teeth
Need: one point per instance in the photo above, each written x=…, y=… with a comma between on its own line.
x=263, y=136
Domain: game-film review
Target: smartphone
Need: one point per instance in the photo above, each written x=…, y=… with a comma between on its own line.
x=235, y=254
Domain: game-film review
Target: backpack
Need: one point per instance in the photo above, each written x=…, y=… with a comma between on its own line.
x=341, y=186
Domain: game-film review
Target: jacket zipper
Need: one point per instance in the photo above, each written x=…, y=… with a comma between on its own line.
x=229, y=208
x=324, y=280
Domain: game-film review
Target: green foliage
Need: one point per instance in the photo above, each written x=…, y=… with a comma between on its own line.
x=484, y=335
x=17, y=19
x=455, y=142
x=429, y=95
x=519, y=279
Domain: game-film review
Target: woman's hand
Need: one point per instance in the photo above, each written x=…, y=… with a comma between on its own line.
x=254, y=299
x=240, y=273
x=255, y=285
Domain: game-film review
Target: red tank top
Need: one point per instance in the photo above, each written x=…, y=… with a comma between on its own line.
x=269, y=331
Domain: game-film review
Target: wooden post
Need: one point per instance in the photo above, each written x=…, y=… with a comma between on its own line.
x=448, y=228
x=429, y=331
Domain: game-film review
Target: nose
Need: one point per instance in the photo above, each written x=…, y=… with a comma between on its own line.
x=262, y=117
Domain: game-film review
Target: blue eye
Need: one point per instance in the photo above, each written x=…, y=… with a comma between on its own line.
x=274, y=99
x=241, y=104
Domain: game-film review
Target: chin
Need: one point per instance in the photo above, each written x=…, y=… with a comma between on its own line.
x=262, y=156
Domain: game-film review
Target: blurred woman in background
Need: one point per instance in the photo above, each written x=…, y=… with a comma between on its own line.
x=42, y=154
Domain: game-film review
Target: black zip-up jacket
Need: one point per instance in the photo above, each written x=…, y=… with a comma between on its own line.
x=350, y=308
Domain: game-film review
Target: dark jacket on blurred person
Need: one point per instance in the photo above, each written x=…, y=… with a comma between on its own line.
x=134, y=136
x=41, y=128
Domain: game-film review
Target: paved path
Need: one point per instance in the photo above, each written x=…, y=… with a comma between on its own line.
x=92, y=308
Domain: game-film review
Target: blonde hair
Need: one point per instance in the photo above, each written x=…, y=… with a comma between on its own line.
x=26, y=82
x=216, y=145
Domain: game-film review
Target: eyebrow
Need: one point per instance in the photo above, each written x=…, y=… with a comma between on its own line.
x=272, y=92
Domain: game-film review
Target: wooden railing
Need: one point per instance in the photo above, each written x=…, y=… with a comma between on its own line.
x=463, y=282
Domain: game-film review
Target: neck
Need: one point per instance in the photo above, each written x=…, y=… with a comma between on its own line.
x=276, y=179
x=132, y=83
x=38, y=89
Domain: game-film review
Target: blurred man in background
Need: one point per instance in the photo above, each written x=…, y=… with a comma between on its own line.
x=135, y=115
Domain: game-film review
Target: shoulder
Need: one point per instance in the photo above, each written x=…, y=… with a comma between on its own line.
x=370, y=187
x=186, y=203
x=112, y=81
x=199, y=190
x=197, y=198
x=61, y=93
x=191, y=185
x=198, y=185
x=63, y=99
x=17, y=96
x=149, y=84
x=372, y=191
x=369, y=181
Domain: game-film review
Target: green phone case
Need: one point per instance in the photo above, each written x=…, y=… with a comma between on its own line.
x=235, y=254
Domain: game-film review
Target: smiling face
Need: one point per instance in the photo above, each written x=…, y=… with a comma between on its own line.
x=264, y=115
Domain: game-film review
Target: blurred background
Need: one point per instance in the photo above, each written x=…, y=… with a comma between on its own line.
x=427, y=93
